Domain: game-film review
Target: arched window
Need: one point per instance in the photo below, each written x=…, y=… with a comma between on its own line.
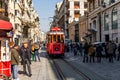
x=106, y=22
x=114, y=19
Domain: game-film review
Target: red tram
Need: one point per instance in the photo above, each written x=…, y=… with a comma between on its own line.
x=55, y=42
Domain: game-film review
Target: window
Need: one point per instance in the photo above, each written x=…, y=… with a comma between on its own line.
x=76, y=5
x=107, y=2
x=17, y=1
x=15, y=12
x=112, y=1
x=1, y=4
x=114, y=19
x=94, y=4
x=106, y=22
x=94, y=24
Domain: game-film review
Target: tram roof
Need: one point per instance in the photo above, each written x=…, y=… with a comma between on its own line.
x=55, y=32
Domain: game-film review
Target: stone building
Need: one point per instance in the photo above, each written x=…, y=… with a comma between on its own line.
x=21, y=16
x=94, y=20
x=111, y=20
x=68, y=17
x=103, y=20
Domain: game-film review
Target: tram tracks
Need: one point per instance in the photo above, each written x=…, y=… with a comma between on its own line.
x=62, y=74
x=78, y=71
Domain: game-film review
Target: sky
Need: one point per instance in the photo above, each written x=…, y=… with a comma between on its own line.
x=45, y=10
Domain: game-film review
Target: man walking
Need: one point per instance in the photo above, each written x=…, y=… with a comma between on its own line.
x=26, y=58
x=85, y=56
x=14, y=62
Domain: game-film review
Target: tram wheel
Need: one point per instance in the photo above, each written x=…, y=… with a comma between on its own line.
x=3, y=77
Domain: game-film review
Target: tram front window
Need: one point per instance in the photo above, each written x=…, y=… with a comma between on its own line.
x=58, y=38
x=54, y=38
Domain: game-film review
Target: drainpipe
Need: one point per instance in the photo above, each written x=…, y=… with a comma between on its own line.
x=100, y=27
x=65, y=18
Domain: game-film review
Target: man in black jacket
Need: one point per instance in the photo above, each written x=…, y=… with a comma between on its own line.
x=26, y=58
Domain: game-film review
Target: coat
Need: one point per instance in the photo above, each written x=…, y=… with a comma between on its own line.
x=24, y=54
x=110, y=48
x=14, y=57
x=86, y=48
x=91, y=50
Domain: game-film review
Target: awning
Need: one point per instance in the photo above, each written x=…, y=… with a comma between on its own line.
x=4, y=25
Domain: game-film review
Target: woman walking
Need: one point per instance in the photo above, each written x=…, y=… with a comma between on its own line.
x=92, y=53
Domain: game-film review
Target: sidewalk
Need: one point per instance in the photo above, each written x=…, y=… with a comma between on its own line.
x=40, y=70
x=110, y=71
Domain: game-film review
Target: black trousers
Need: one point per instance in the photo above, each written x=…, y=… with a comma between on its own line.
x=110, y=57
x=92, y=58
x=26, y=64
x=85, y=57
x=118, y=57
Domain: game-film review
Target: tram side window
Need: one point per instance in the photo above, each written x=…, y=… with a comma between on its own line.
x=49, y=39
x=62, y=39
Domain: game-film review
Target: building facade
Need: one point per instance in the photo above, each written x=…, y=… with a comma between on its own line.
x=94, y=20
x=22, y=16
x=68, y=17
x=111, y=20
x=103, y=20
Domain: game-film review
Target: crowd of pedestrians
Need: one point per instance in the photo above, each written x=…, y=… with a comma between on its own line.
x=94, y=53
x=24, y=55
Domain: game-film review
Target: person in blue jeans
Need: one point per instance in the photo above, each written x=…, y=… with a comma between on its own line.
x=36, y=53
x=14, y=62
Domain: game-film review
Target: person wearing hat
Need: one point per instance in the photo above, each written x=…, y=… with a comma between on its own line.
x=14, y=61
x=26, y=58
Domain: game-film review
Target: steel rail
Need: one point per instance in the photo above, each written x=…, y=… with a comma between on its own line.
x=62, y=76
x=77, y=70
